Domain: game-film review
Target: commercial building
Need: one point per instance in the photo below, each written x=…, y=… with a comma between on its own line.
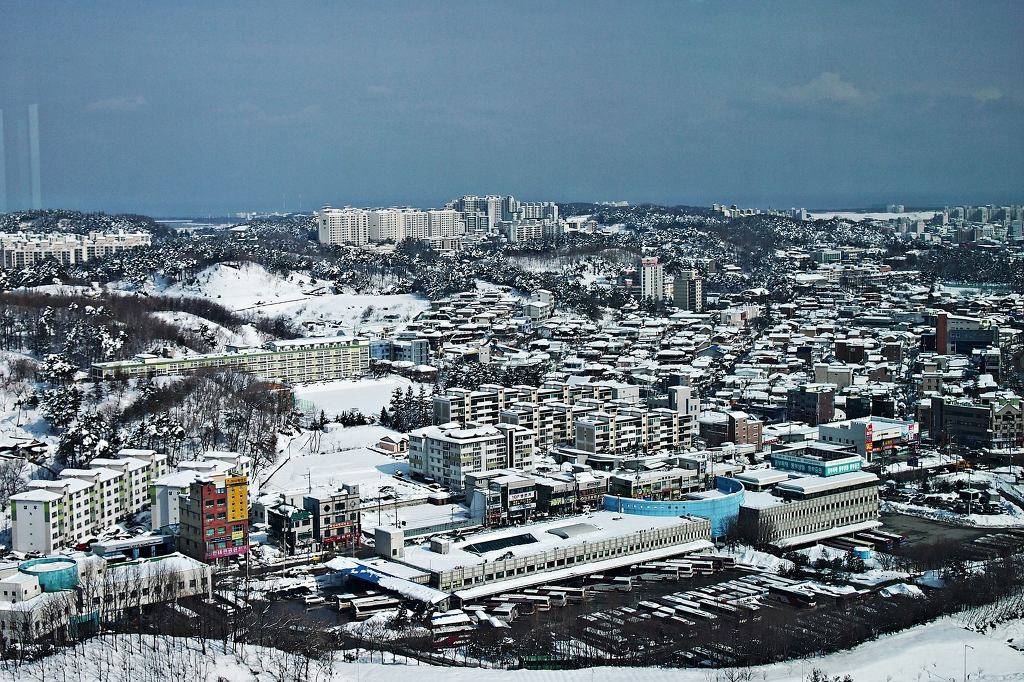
x=335, y=514
x=816, y=458
x=995, y=421
x=21, y=249
x=961, y=334
x=873, y=437
x=298, y=361
x=497, y=561
x=165, y=491
x=214, y=519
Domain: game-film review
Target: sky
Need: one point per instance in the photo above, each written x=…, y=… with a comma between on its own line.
x=181, y=108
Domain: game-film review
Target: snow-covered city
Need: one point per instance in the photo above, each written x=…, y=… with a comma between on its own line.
x=514, y=434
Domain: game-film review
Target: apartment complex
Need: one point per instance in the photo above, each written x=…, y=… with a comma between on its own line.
x=343, y=225
x=553, y=410
x=447, y=453
x=21, y=249
x=652, y=279
x=298, y=361
x=359, y=226
x=632, y=429
x=82, y=504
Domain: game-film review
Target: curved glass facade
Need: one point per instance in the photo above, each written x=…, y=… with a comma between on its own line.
x=54, y=573
x=722, y=510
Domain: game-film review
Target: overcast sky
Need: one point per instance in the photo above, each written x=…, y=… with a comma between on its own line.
x=177, y=108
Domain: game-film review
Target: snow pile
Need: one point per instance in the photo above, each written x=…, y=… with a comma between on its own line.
x=753, y=557
x=901, y=590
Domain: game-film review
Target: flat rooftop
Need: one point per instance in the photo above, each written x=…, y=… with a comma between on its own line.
x=536, y=538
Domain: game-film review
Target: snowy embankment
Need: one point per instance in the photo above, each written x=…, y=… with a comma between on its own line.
x=927, y=652
x=1013, y=518
x=310, y=303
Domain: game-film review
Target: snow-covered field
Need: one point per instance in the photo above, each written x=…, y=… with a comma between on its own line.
x=342, y=457
x=368, y=395
x=857, y=216
x=249, y=287
x=929, y=652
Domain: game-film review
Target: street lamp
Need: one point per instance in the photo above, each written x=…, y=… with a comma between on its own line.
x=966, y=647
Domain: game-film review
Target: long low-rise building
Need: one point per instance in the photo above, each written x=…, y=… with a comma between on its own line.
x=297, y=361
x=497, y=561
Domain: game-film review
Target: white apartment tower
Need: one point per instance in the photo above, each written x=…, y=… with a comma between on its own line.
x=652, y=279
x=343, y=225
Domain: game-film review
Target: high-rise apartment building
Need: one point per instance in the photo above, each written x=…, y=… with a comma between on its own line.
x=652, y=279
x=343, y=225
x=688, y=291
x=448, y=453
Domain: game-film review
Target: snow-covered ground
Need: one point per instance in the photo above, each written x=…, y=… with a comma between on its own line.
x=367, y=395
x=928, y=652
x=247, y=335
x=1012, y=516
x=342, y=457
x=251, y=288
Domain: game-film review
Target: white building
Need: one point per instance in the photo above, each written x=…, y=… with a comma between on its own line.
x=652, y=279
x=343, y=225
x=82, y=503
x=448, y=452
x=18, y=250
x=297, y=361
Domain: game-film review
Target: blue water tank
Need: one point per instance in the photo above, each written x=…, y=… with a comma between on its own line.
x=54, y=573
